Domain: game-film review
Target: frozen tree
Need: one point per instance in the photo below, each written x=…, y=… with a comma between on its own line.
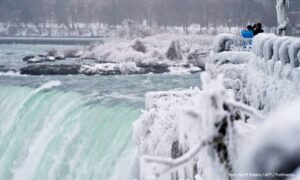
x=282, y=17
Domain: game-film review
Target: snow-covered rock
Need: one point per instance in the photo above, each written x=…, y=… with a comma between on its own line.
x=139, y=46
x=223, y=42
x=174, y=51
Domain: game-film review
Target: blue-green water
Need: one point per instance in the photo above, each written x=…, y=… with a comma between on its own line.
x=80, y=129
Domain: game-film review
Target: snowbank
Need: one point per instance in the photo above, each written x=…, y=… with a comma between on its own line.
x=163, y=53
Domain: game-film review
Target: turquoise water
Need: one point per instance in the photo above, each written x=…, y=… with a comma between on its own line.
x=72, y=127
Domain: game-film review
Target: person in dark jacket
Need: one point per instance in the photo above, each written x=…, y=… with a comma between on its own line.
x=257, y=28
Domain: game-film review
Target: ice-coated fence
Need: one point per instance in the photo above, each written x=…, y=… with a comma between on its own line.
x=277, y=53
x=194, y=134
x=264, y=77
x=184, y=133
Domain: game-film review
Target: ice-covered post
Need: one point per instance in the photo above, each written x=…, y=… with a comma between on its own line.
x=282, y=18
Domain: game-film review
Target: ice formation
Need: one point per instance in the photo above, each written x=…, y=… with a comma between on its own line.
x=282, y=18
x=182, y=54
x=223, y=42
x=175, y=123
x=274, y=148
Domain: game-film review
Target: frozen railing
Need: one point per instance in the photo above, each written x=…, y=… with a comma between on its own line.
x=227, y=42
x=278, y=56
x=207, y=127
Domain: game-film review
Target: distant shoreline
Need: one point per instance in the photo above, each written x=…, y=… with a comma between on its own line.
x=50, y=40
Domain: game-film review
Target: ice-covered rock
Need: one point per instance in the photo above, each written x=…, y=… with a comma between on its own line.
x=174, y=51
x=139, y=46
x=75, y=52
x=198, y=57
x=223, y=42
x=26, y=58
x=125, y=68
x=101, y=69
x=53, y=52
x=44, y=69
x=184, y=69
x=36, y=59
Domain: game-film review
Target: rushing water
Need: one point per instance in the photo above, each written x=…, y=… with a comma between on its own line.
x=71, y=127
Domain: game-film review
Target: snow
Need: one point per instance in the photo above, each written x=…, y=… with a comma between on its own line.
x=232, y=57
x=188, y=117
x=267, y=79
x=180, y=53
x=223, y=42
x=156, y=129
x=121, y=50
x=102, y=68
x=100, y=30
x=275, y=152
x=178, y=69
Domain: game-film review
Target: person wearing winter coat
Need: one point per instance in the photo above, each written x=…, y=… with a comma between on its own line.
x=248, y=33
x=257, y=28
x=247, y=36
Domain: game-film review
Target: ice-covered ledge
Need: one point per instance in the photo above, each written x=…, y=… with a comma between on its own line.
x=253, y=80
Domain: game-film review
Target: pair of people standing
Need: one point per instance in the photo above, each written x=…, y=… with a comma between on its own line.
x=252, y=31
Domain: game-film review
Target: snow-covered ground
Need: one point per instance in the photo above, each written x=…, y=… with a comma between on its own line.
x=266, y=84
x=161, y=53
